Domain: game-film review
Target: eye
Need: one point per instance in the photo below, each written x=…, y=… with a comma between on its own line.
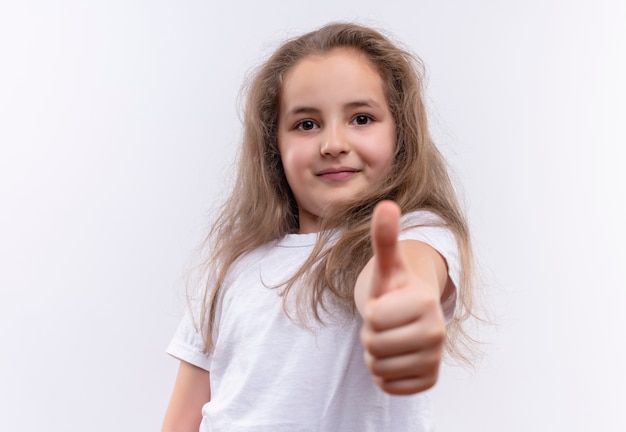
x=362, y=119
x=306, y=125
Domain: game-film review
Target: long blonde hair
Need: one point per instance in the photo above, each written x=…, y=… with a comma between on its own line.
x=261, y=207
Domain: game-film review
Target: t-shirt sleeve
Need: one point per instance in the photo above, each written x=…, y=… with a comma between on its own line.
x=188, y=344
x=429, y=228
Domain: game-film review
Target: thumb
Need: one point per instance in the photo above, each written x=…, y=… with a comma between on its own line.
x=384, y=234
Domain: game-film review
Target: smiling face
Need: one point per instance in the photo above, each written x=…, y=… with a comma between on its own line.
x=336, y=134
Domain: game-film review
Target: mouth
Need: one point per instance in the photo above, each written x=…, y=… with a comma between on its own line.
x=338, y=173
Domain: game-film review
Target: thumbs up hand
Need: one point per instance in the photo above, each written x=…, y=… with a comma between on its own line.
x=404, y=329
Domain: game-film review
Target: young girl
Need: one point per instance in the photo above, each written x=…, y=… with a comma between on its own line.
x=339, y=267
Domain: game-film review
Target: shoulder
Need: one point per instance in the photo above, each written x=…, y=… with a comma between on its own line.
x=427, y=227
x=421, y=218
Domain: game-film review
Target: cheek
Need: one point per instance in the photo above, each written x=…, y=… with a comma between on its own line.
x=388, y=151
x=294, y=164
x=295, y=155
x=380, y=148
x=384, y=164
x=381, y=153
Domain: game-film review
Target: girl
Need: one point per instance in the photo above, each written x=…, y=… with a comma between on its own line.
x=338, y=261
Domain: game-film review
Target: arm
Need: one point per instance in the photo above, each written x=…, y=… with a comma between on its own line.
x=398, y=295
x=191, y=391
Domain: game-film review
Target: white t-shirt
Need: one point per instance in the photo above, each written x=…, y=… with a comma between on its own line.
x=269, y=374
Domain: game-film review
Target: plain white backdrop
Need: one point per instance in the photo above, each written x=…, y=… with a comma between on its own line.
x=118, y=127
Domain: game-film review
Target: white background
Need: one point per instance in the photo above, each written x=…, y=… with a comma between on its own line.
x=118, y=126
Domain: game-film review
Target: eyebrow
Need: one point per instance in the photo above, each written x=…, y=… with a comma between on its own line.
x=363, y=103
x=350, y=105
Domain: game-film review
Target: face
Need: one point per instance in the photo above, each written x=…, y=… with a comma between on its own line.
x=336, y=134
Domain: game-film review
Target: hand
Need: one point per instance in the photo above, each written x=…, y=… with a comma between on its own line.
x=404, y=328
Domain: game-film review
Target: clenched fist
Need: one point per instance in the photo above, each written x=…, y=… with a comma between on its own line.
x=404, y=329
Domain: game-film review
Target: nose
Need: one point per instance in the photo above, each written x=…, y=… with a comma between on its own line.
x=334, y=142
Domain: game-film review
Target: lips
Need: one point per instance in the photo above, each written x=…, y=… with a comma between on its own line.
x=338, y=173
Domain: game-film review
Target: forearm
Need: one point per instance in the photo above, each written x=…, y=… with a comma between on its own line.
x=191, y=391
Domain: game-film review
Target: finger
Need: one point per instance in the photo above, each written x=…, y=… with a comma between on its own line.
x=400, y=341
x=415, y=365
x=385, y=227
x=414, y=337
x=400, y=307
x=407, y=386
x=384, y=234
